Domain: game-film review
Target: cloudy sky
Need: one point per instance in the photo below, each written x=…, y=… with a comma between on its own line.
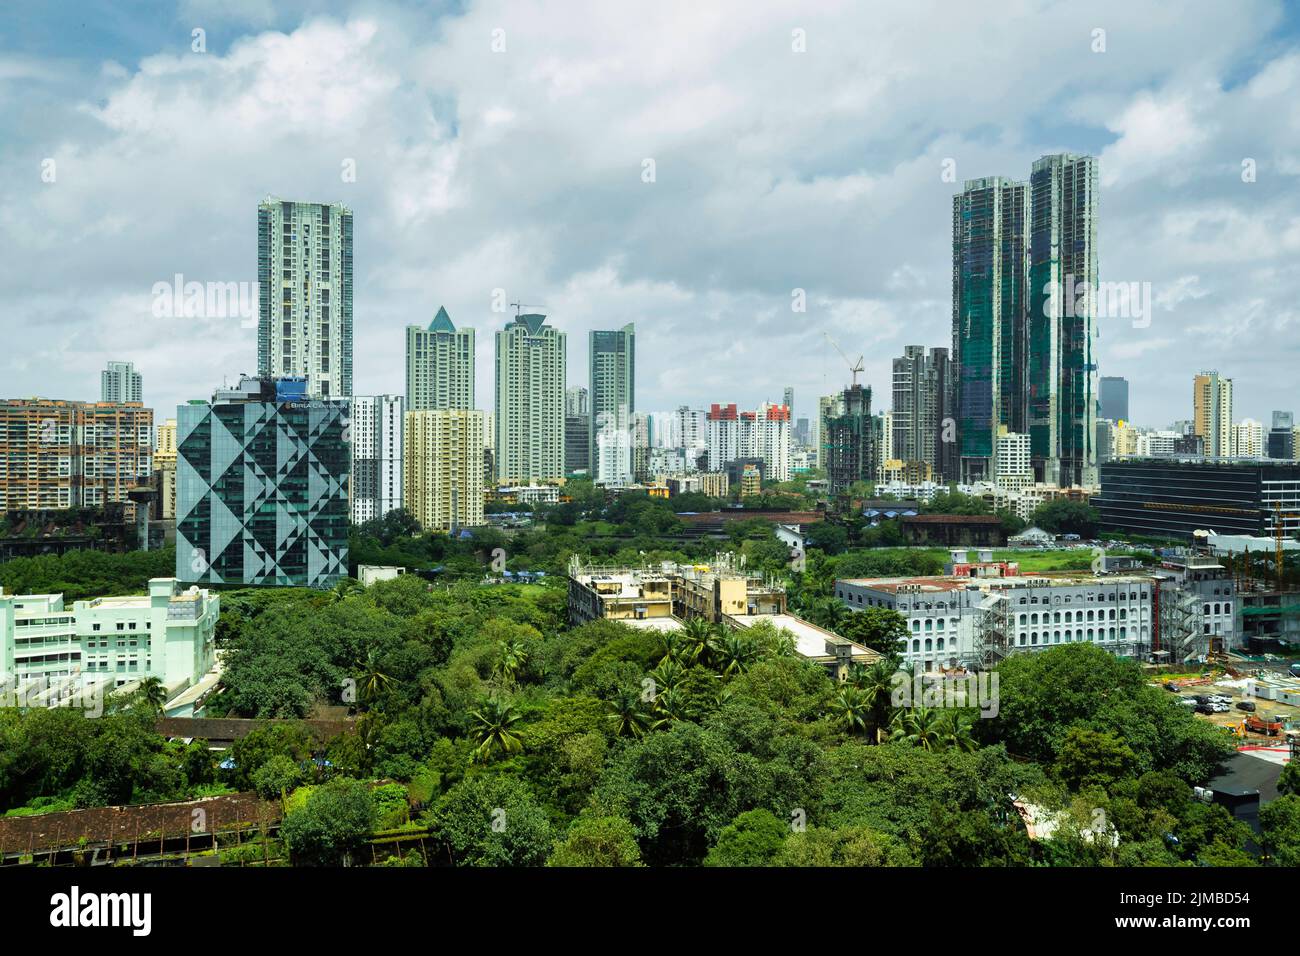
x=504, y=145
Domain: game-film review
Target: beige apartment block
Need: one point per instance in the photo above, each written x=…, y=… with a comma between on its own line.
x=442, y=468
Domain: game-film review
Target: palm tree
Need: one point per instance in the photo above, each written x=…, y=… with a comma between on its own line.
x=627, y=716
x=667, y=676
x=153, y=694
x=373, y=681
x=850, y=710
x=877, y=683
x=345, y=587
x=670, y=705
x=513, y=657
x=957, y=731
x=918, y=726
x=675, y=647
x=700, y=640
x=828, y=612
x=495, y=718
x=736, y=654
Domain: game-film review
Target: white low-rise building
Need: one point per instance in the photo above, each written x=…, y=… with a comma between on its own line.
x=169, y=633
x=988, y=611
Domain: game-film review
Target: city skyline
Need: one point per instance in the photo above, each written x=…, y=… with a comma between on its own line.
x=864, y=225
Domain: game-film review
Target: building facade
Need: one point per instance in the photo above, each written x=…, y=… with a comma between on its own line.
x=612, y=380
x=577, y=431
x=1172, y=498
x=169, y=633
x=850, y=450
x=443, y=468
x=120, y=383
x=1212, y=413
x=58, y=454
x=164, y=458
x=1114, y=398
x=304, y=271
x=922, y=426
x=530, y=382
x=1061, y=343
x=439, y=365
x=989, y=611
x=990, y=220
x=376, y=431
x=262, y=487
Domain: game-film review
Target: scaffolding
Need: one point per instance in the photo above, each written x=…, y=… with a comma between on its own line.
x=1181, y=633
x=993, y=632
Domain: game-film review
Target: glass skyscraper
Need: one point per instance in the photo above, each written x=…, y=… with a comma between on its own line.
x=261, y=487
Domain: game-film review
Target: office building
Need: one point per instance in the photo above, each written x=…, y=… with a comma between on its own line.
x=120, y=383
x=530, y=382
x=990, y=220
x=577, y=431
x=1061, y=343
x=45, y=646
x=57, y=454
x=262, y=486
x=1281, y=437
x=1114, y=398
x=443, y=468
x=1172, y=498
x=304, y=271
x=376, y=431
x=612, y=379
x=1212, y=413
x=439, y=365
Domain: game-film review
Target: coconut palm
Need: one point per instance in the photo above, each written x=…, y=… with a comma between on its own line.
x=676, y=647
x=372, y=680
x=850, y=710
x=700, y=640
x=957, y=730
x=345, y=587
x=670, y=706
x=495, y=719
x=667, y=676
x=627, y=715
x=513, y=656
x=877, y=683
x=918, y=726
x=828, y=612
x=153, y=694
x=736, y=654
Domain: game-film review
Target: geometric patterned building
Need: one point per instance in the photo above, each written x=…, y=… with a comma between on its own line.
x=262, y=488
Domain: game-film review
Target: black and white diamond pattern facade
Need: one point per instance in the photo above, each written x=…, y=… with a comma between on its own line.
x=262, y=493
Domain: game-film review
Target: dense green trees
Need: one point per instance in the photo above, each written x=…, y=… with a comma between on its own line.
x=79, y=575
x=332, y=825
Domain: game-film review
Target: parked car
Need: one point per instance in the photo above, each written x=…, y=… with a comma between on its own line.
x=1170, y=685
x=1294, y=669
x=1247, y=705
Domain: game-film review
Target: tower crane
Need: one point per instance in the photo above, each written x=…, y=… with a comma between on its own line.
x=854, y=367
x=520, y=306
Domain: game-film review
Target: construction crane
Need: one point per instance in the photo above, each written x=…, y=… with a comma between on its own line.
x=854, y=367
x=520, y=306
x=1279, y=537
